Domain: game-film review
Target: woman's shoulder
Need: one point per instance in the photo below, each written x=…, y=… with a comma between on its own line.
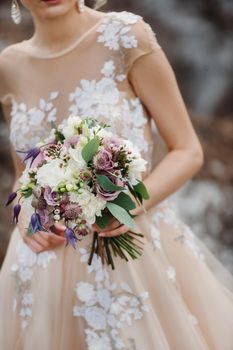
x=126, y=29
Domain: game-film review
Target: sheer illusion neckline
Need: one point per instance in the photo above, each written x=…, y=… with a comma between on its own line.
x=36, y=53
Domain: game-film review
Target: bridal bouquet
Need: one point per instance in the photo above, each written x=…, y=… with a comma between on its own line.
x=81, y=175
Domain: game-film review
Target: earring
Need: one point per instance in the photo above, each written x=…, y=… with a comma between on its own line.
x=15, y=12
x=81, y=5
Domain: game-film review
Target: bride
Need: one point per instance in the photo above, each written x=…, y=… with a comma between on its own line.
x=177, y=296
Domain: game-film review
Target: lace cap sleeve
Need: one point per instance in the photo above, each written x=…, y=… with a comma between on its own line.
x=145, y=42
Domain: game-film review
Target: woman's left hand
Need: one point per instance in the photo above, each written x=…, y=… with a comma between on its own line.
x=114, y=228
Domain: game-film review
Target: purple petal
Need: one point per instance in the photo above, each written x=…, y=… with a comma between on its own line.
x=70, y=237
x=10, y=198
x=16, y=211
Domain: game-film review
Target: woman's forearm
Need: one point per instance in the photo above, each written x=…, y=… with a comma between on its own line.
x=169, y=175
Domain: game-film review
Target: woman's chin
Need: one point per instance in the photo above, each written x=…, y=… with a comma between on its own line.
x=52, y=9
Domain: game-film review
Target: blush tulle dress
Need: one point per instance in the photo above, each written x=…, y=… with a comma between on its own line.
x=177, y=296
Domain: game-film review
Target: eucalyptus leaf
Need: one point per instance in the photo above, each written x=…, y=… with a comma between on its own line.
x=141, y=188
x=125, y=201
x=121, y=215
x=102, y=221
x=107, y=184
x=90, y=149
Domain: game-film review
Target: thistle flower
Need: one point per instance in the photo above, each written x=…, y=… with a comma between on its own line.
x=35, y=223
x=10, y=198
x=16, y=211
x=70, y=237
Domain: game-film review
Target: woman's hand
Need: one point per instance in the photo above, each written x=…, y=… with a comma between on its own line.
x=42, y=241
x=114, y=228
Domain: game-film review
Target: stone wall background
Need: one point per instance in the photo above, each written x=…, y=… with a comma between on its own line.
x=197, y=38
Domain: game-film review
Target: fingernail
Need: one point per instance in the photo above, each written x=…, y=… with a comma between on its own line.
x=101, y=234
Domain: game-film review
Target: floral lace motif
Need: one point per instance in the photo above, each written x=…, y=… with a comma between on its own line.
x=22, y=271
x=115, y=33
x=28, y=125
x=106, y=306
x=168, y=216
x=107, y=103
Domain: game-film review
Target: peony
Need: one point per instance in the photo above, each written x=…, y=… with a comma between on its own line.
x=51, y=174
x=136, y=167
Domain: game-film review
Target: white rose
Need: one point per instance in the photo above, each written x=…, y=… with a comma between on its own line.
x=51, y=174
x=104, y=133
x=76, y=155
x=85, y=291
x=136, y=167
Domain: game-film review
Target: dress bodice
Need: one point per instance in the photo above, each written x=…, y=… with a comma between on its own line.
x=90, y=78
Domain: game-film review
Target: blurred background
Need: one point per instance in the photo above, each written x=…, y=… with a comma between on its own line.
x=197, y=37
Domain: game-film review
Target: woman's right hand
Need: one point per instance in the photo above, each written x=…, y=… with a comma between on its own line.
x=43, y=241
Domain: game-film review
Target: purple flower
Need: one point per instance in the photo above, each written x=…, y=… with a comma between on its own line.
x=35, y=223
x=45, y=218
x=10, y=198
x=50, y=196
x=109, y=195
x=32, y=153
x=112, y=143
x=70, y=237
x=103, y=160
x=71, y=211
x=16, y=211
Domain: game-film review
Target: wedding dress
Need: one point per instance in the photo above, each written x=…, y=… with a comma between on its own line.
x=177, y=296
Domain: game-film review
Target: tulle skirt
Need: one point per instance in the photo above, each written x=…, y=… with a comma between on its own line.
x=176, y=296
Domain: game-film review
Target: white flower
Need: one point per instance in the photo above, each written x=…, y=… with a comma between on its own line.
x=76, y=155
x=91, y=205
x=85, y=291
x=136, y=167
x=96, y=317
x=51, y=174
x=69, y=129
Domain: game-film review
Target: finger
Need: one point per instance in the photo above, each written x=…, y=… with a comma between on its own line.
x=116, y=232
x=52, y=238
x=114, y=224
x=40, y=239
x=35, y=246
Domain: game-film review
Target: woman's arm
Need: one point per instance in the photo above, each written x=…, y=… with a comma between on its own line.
x=155, y=84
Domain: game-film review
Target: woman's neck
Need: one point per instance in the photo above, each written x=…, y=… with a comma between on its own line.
x=54, y=33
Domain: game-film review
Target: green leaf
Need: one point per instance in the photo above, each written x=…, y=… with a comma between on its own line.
x=121, y=215
x=90, y=149
x=124, y=201
x=102, y=221
x=141, y=189
x=107, y=184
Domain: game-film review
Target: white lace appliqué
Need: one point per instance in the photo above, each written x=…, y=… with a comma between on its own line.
x=22, y=271
x=103, y=100
x=186, y=236
x=30, y=125
x=115, y=33
x=106, y=306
